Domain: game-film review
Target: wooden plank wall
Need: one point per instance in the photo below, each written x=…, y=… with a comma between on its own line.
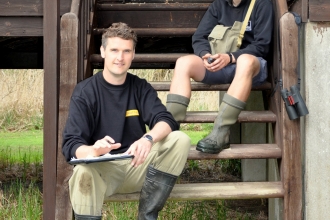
x=319, y=10
x=311, y=10
x=25, y=17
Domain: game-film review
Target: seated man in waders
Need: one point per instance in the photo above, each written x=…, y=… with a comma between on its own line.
x=109, y=112
x=243, y=68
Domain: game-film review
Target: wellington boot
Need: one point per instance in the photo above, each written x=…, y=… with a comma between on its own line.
x=154, y=193
x=218, y=139
x=177, y=105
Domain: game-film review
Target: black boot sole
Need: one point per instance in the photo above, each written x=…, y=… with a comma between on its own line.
x=212, y=149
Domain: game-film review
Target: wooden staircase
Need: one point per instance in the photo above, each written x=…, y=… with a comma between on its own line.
x=164, y=30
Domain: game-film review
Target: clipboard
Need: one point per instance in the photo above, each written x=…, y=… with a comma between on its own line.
x=103, y=158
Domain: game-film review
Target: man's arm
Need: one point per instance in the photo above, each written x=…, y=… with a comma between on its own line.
x=141, y=148
x=77, y=129
x=102, y=146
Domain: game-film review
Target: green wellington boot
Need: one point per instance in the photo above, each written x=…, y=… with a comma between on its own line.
x=154, y=193
x=218, y=139
x=177, y=105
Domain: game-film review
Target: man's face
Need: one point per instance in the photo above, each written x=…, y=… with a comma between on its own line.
x=118, y=56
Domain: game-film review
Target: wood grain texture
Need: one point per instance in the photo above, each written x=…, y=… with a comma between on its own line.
x=319, y=10
x=21, y=26
x=291, y=173
x=207, y=191
x=68, y=80
x=28, y=7
x=51, y=27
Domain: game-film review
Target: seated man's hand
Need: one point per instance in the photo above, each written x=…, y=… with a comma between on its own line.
x=140, y=149
x=103, y=146
x=219, y=61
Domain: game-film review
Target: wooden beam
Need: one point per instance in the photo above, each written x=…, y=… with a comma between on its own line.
x=51, y=82
x=198, y=86
x=244, y=116
x=28, y=7
x=291, y=171
x=154, y=7
x=21, y=26
x=151, y=19
x=319, y=10
x=239, y=151
x=207, y=191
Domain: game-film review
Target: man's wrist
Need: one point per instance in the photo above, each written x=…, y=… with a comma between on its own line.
x=149, y=138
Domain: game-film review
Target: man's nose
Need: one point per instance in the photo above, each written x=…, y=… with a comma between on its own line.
x=120, y=56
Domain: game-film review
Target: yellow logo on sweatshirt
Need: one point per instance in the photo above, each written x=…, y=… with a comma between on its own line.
x=131, y=113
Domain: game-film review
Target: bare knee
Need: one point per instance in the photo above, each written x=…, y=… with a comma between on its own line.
x=189, y=66
x=248, y=64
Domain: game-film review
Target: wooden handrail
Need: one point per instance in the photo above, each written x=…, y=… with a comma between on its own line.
x=76, y=7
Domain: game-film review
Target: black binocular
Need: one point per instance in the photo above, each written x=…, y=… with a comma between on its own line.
x=294, y=103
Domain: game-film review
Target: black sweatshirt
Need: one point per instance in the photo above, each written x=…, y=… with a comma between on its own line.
x=98, y=108
x=255, y=42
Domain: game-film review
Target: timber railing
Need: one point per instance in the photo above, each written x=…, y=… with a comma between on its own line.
x=169, y=23
x=76, y=47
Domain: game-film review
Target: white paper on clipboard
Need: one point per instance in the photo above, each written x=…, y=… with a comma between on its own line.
x=103, y=158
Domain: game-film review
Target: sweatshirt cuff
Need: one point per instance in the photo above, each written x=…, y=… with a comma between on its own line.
x=236, y=54
x=74, y=149
x=202, y=53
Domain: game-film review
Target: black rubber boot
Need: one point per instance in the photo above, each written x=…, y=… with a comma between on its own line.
x=87, y=217
x=218, y=139
x=154, y=193
x=177, y=105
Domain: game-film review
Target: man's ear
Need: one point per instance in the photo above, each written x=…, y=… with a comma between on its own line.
x=102, y=52
x=133, y=54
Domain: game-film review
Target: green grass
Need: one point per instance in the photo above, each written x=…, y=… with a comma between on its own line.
x=20, y=202
x=21, y=139
x=21, y=147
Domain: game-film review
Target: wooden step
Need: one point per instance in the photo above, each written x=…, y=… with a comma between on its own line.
x=153, y=7
x=153, y=32
x=240, y=151
x=197, y=86
x=151, y=15
x=210, y=191
x=145, y=58
x=244, y=116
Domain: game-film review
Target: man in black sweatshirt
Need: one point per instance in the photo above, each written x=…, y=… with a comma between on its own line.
x=109, y=112
x=243, y=68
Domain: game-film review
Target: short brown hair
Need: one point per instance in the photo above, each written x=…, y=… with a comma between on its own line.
x=121, y=30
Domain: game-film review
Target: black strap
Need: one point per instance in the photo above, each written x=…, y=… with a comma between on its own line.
x=298, y=22
x=230, y=58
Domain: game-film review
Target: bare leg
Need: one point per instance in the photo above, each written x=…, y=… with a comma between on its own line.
x=247, y=67
x=186, y=68
x=178, y=99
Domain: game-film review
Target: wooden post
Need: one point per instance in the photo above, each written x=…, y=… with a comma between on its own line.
x=291, y=172
x=68, y=80
x=51, y=76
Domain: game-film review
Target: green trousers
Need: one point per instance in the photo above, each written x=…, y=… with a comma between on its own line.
x=91, y=183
